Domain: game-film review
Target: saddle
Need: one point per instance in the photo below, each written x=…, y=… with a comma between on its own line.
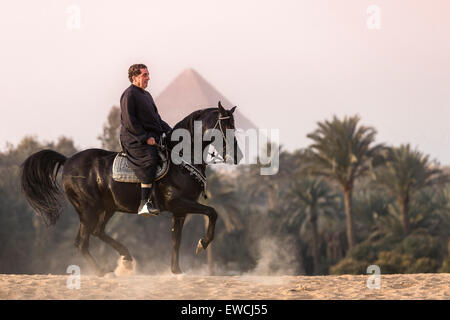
x=121, y=171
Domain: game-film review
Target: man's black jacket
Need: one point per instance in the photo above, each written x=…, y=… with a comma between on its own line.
x=139, y=117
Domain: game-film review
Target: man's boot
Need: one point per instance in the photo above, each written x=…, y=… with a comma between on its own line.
x=148, y=206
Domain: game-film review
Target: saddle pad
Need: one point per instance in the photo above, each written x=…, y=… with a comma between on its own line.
x=122, y=172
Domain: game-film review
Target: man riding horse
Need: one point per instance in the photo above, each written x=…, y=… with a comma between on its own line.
x=141, y=129
x=87, y=180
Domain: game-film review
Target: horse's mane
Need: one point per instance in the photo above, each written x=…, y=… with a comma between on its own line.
x=188, y=122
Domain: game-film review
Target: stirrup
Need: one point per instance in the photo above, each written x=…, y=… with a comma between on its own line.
x=148, y=210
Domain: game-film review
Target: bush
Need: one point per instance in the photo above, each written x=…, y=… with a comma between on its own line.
x=365, y=251
x=445, y=266
x=393, y=262
x=349, y=266
x=420, y=245
x=423, y=265
x=368, y=250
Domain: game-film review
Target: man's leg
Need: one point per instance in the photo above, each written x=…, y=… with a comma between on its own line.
x=148, y=206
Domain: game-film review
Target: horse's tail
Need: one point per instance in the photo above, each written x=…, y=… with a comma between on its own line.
x=38, y=180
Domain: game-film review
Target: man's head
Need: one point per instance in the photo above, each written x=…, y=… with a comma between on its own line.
x=138, y=75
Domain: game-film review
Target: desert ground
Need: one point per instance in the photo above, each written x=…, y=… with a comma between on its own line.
x=200, y=287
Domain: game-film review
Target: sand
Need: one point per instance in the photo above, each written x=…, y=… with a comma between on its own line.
x=199, y=287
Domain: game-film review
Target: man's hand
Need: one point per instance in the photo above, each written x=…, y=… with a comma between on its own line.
x=151, y=141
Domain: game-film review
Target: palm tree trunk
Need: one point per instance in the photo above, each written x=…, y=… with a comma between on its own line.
x=404, y=208
x=313, y=221
x=272, y=195
x=349, y=217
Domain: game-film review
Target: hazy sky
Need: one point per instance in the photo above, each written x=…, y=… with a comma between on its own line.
x=285, y=64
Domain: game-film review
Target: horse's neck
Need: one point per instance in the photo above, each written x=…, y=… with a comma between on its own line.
x=200, y=166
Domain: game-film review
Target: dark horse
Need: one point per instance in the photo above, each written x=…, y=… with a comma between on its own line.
x=88, y=184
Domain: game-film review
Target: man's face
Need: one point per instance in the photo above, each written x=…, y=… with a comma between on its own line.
x=141, y=80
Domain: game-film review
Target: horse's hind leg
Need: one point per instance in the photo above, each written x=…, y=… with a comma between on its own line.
x=120, y=248
x=82, y=241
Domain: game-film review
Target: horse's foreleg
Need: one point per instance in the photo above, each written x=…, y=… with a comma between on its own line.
x=186, y=206
x=212, y=217
x=177, y=228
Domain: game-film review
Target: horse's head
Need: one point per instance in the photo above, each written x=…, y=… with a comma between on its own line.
x=222, y=121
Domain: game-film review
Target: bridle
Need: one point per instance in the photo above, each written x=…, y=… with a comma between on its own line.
x=219, y=122
x=193, y=171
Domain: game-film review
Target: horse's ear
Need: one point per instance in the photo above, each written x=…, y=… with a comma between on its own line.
x=232, y=109
x=221, y=109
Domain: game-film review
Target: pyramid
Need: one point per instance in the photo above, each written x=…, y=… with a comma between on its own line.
x=189, y=92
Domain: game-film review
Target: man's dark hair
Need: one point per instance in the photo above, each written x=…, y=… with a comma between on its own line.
x=135, y=70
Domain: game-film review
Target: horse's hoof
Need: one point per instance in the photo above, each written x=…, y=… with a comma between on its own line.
x=199, y=247
x=128, y=264
x=177, y=271
x=102, y=272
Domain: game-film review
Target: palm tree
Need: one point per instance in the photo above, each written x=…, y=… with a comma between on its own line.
x=343, y=151
x=312, y=197
x=265, y=189
x=260, y=188
x=405, y=172
x=371, y=206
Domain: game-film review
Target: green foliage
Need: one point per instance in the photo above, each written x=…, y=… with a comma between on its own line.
x=371, y=209
x=393, y=262
x=405, y=172
x=305, y=216
x=312, y=201
x=365, y=251
x=445, y=266
x=417, y=253
x=343, y=150
x=423, y=265
x=349, y=266
x=420, y=246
